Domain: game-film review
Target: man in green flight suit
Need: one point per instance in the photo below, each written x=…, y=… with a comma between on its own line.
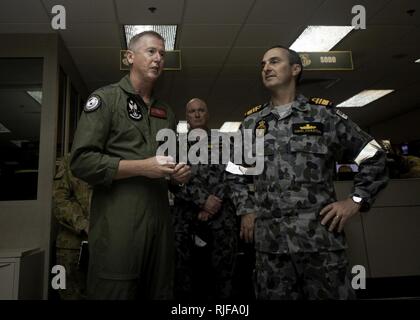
x=130, y=236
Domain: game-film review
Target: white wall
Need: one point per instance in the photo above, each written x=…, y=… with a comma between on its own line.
x=27, y=224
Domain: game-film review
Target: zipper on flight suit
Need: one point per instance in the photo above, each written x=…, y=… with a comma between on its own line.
x=151, y=144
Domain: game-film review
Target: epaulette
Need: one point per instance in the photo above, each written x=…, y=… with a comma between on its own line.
x=321, y=102
x=253, y=110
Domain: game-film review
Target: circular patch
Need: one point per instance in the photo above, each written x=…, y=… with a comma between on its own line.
x=92, y=104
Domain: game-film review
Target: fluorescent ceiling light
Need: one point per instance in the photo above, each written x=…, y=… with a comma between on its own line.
x=3, y=129
x=417, y=61
x=320, y=38
x=182, y=126
x=36, y=95
x=363, y=98
x=168, y=32
x=230, y=127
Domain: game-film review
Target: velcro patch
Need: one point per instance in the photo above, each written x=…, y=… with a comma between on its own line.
x=93, y=103
x=309, y=128
x=158, y=112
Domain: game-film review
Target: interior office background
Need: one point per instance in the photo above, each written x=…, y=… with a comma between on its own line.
x=46, y=76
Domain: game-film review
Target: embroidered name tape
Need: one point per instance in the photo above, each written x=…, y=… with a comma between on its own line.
x=309, y=128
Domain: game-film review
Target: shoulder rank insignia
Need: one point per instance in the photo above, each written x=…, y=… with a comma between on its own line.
x=253, y=110
x=321, y=102
x=93, y=103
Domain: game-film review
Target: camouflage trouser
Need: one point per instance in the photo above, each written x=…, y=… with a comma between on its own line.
x=183, y=265
x=75, y=278
x=316, y=275
x=219, y=254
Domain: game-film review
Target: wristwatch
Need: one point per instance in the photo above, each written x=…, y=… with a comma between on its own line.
x=357, y=199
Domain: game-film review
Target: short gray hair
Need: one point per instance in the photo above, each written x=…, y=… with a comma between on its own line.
x=134, y=39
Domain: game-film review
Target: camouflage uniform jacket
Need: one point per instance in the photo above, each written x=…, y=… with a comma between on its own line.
x=206, y=179
x=301, y=147
x=71, y=202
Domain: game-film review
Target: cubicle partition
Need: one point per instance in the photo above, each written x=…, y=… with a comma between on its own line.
x=386, y=240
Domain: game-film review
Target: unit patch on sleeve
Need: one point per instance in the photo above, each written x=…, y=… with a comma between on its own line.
x=309, y=128
x=93, y=103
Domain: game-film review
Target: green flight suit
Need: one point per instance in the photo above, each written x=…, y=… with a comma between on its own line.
x=131, y=236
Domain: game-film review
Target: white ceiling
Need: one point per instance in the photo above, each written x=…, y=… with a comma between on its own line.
x=222, y=43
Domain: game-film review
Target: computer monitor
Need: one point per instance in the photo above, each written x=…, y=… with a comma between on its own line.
x=346, y=167
x=346, y=171
x=405, y=150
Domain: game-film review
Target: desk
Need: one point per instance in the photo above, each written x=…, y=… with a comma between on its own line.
x=21, y=274
x=386, y=240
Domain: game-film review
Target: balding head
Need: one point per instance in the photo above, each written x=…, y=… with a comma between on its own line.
x=197, y=113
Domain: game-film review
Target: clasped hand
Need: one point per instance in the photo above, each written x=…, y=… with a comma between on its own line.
x=210, y=207
x=163, y=166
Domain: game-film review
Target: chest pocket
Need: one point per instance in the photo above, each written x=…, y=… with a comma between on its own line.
x=264, y=180
x=310, y=145
x=269, y=148
x=309, y=154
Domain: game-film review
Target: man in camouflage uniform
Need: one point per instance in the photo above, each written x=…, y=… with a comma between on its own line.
x=203, y=211
x=300, y=249
x=131, y=251
x=71, y=203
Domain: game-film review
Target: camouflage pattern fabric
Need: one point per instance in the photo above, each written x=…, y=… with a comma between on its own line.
x=220, y=232
x=314, y=276
x=71, y=202
x=302, y=143
x=297, y=181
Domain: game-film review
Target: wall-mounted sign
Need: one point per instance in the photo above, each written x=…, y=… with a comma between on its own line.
x=331, y=60
x=172, y=60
